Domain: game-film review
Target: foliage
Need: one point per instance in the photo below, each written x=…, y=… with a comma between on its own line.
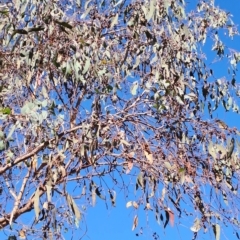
x=96, y=93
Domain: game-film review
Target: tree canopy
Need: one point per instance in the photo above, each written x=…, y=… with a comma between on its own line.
x=99, y=96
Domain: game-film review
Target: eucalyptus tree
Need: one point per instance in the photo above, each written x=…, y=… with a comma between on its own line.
x=98, y=96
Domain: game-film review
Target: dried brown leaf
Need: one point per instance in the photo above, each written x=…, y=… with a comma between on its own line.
x=171, y=217
x=22, y=234
x=135, y=222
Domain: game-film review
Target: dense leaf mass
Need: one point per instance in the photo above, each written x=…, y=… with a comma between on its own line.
x=97, y=95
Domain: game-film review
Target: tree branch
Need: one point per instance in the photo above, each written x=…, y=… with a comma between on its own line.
x=5, y=221
x=19, y=197
x=36, y=150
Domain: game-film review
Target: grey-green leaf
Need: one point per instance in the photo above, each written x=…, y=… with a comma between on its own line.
x=196, y=226
x=2, y=145
x=140, y=180
x=11, y=132
x=151, y=10
x=230, y=147
x=93, y=197
x=216, y=230
x=98, y=192
x=73, y=206
x=114, y=21
x=86, y=66
x=113, y=197
x=36, y=203
x=49, y=189
x=134, y=88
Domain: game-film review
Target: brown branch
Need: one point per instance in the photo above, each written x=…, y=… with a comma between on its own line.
x=5, y=221
x=24, y=157
x=19, y=197
x=36, y=150
x=80, y=98
x=9, y=187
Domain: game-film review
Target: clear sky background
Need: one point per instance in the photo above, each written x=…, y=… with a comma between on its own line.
x=116, y=223
x=104, y=222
